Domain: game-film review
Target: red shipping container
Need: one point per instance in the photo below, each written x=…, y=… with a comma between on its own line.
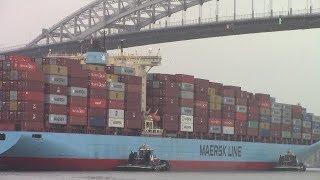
x=76, y=72
x=78, y=121
x=215, y=122
x=171, y=109
x=240, y=128
x=97, y=85
x=215, y=114
x=7, y=126
x=78, y=101
x=18, y=58
x=275, y=127
x=98, y=93
x=241, y=116
x=228, y=93
x=97, y=75
x=133, y=120
x=97, y=103
x=133, y=88
x=163, y=77
x=163, y=92
x=228, y=115
x=32, y=96
x=30, y=86
x=32, y=126
x=30, y=106
x=115, y=104
x=99, y=112
x=56, y=109
x=252, y=131
x=200, y=127
x=228, y=122
x=200, y=112
x=184, y=78
x=165, y=100
x=55, y=89
x=137, y=80
x=77, y=111
x=241, y=101
x=170, y=122
x=254, y=117
x=286, y=127
x=201, y=104
x=78, y=82
x=218, y=87
x=186, y=102
x=253, y=109
x=10, y=86
x=31, y=76
x=30, y=116
x=24, y=66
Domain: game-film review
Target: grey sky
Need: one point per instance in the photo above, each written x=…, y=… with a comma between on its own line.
x=283, y=64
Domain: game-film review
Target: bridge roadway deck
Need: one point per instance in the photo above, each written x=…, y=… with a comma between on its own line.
x=180, y=33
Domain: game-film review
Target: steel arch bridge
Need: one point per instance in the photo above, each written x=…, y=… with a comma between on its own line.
x=111, y=21
x=107, y=16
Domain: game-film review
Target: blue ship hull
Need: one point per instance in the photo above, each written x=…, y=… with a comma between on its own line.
x=62, y=151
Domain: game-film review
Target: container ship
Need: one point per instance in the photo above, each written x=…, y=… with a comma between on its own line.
x=89, y=112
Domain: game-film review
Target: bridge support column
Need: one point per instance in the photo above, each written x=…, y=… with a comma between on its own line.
x=234, y=9
x=217, y=10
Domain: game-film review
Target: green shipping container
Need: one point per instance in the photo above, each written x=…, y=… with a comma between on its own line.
x=286, y=134
x=253, y=124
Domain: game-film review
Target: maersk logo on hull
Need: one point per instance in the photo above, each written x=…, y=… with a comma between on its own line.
x=220, y=150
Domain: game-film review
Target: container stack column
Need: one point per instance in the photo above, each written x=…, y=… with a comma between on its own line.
x=307, y=128
x=253, y=118
x=241, y=119
x=275, y=127
x=286, y=126
x=215, y=109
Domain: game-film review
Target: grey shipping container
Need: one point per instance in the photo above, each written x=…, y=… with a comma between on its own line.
x=13, y=95
x=215, y=129
x=186, y=87
x=116, y=86
x=276, y=120
x=228, y=101
x=155, y=84
x=296, y=135
x=276, y=112
x=186, y=95
x=286, y=120
x=186, y=111
x=306, y=136
x=124, y=70
x=57, y=80
x=306, y=124
x=56, y=99
x=78, y=91
x=277, y=106
x=13, y=75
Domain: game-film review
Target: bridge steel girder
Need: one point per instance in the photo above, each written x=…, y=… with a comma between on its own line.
x=180, y=33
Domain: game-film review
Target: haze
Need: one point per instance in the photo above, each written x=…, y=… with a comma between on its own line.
x=283, y=64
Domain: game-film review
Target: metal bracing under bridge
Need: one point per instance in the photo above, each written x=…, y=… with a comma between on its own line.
x=129, y=20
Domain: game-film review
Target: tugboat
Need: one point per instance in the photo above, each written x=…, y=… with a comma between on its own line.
x=289, y=162
x=144, y=160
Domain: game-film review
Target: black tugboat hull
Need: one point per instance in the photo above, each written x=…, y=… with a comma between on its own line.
x=289, y=168
x=135, y=168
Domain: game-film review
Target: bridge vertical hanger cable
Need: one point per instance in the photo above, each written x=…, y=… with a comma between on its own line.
x=290, y=7
x=271, y=8
x=234, y=9
x=217, y=10
x=200, y=11
x=252, y=8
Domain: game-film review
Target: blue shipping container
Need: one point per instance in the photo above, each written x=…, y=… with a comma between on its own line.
x=316, y=125
x=265, y=119
x=97, y=121
x=96, y=58
x=296, y=129
x=264, y=132
x=308, y=117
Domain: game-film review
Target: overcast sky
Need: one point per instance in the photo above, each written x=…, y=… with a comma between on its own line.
x=283, y=64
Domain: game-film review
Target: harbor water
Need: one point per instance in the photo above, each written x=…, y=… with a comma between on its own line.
x=310, y=174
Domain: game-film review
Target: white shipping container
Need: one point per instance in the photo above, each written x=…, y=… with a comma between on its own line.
x=228, y=101
x=276, y=106
x=286, y=120
x=186, y=119
x=276, y=112
x=242, y=109
x=316, y=119
x=297, y=122
x=186, y=127
x=306, y=136
x=13, y=95
x=58, y=119
x=227, y=130
x=56, y=99
x=116, y=86
x=186, y=95
x=57, y=80
x=286, y=107
x=115, y=122
x=78, y=91
x=116, y=113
